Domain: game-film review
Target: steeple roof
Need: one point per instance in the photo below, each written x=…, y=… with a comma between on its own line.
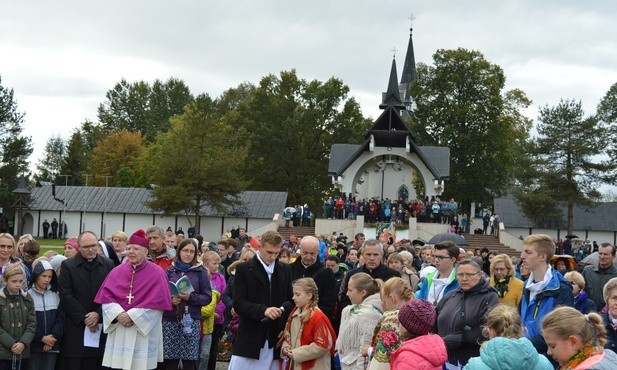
x=409, y=68
x=392, y=98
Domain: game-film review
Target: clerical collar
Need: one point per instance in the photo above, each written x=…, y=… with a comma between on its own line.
x=135, y=266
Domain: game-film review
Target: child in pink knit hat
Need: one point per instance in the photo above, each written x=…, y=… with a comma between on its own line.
x=421, y=350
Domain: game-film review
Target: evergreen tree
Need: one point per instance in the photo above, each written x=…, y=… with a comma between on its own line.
x=563, y=163
x=49, y=167
x=14, y=148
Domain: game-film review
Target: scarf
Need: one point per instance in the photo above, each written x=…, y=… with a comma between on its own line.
x=580, y=356
x=501, y=286
x=535, y=288
x=181, y=266
x=316, y=329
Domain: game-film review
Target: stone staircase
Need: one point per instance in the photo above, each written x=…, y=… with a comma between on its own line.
x=298, y=231
x=491, y=242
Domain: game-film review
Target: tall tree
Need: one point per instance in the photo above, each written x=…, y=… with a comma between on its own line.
x=460, y=102
x=49, y=167
x=74, y=161
x=195, y=164
x=139, y=107
x=292, y=125
x=607, y=115
x=566, y=165
x=14, y=147
x=116, y=154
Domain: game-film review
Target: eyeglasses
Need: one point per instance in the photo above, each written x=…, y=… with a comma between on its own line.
x=462, y=275
x=440, y=258
x=89, y=246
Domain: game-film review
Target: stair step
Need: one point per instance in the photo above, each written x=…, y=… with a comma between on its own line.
x=490, y=242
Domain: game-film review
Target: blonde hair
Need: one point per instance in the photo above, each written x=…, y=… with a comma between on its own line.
x=120, y=235
x=506, y=260
x=576, y=277
x=542, y=244
x=505, y=321
x=399, y=287
x=231, y=269
x=50, y=253
x=209, y=255
x=12, y=270
x=564, y=322
x=364, y=282
x=308, y=286
x=247, y=251
x=406, y=255
x=12, y=239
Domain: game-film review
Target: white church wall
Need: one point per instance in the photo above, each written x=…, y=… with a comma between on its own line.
x=365, y=169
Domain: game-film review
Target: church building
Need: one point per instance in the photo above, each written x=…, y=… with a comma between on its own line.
x=385, y=164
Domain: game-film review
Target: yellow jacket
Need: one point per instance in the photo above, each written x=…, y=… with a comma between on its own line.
x=515, y=292
x=208, y=314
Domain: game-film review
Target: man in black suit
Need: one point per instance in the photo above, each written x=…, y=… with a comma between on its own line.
x=261, y=286
x=81, y=278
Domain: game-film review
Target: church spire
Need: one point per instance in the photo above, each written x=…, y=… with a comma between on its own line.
x=409, y=71
x=391, y=98
x=409, y=68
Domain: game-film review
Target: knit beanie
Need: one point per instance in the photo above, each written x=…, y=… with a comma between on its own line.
x=139, y=238
x=417, y=316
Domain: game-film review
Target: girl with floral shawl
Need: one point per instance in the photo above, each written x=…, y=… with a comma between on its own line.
x=386, y=337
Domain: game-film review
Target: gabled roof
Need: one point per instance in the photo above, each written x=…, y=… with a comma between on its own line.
x=600, y=218
x=343, y=155
x=254, y=204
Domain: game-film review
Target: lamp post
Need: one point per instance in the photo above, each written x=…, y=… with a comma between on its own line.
x=22, y=193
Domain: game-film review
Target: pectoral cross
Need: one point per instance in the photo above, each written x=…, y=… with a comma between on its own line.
x=130, y=297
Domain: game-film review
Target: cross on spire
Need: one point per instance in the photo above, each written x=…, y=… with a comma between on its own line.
x=411, y=18
x=394, y=52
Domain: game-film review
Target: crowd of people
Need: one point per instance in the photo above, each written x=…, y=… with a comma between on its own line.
x=387, y=210
x=159, y=300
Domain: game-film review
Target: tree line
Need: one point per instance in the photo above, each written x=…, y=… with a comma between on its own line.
x=276, y=135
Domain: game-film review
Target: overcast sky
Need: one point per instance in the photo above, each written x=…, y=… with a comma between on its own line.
x=61, y=57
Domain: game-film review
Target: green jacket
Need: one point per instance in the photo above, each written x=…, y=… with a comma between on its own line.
x=17, y=322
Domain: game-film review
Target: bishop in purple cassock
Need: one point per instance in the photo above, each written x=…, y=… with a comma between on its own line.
x=133, y=297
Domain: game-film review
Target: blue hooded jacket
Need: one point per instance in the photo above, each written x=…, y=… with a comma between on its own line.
x=502, y=353
x=558, y=292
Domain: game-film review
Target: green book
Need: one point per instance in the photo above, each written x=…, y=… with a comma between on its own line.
x=183, y=285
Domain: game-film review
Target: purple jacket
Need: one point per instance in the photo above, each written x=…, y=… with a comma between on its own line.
x=200, y=297
x=218, y=281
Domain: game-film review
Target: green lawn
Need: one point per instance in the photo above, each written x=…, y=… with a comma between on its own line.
x=51, y=244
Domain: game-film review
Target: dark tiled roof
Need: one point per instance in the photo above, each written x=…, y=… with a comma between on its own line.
x=438, y=158
x=254, y=204
x=600, y=218
x=339, y=155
